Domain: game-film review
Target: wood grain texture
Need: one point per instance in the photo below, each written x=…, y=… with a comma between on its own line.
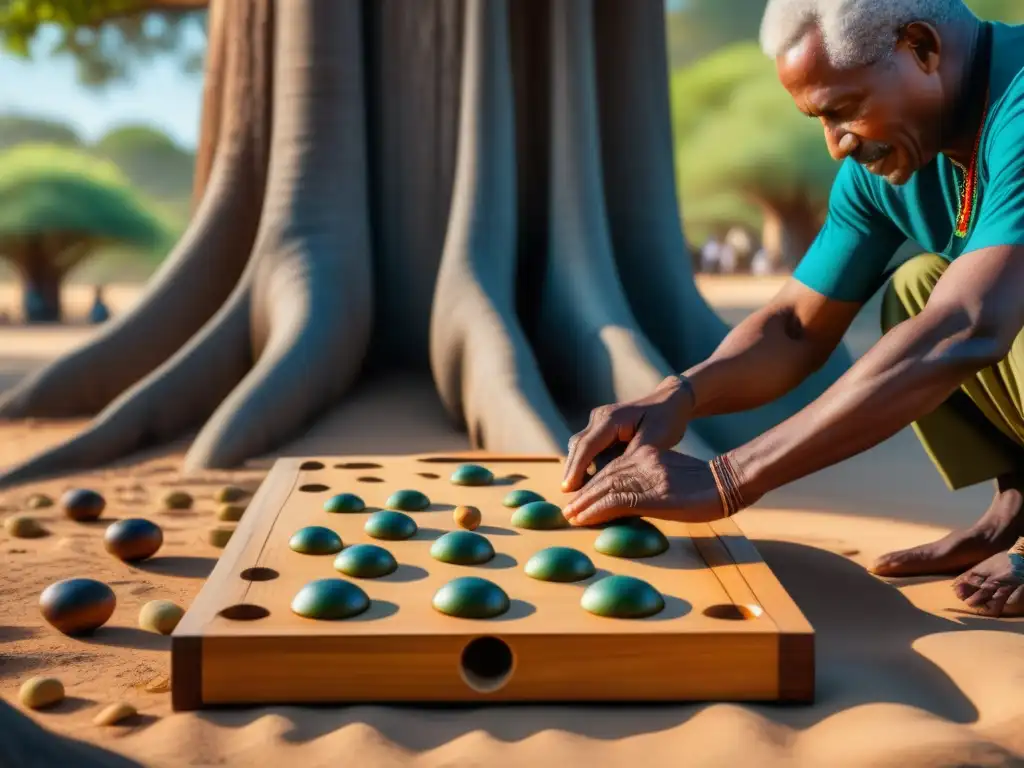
x=729, y=631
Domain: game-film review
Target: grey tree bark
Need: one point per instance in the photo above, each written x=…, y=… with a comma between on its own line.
x=480, y=189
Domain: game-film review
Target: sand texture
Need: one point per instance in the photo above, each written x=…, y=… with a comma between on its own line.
x=905, y=677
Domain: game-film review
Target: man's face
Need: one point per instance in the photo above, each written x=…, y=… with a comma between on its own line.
x=887, y=116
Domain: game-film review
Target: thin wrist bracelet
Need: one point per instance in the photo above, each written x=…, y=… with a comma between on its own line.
x=727, y=483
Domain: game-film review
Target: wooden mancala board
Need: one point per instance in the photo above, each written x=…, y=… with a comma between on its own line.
x=728, y=629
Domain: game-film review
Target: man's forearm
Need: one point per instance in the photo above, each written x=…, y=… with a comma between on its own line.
x=910, y=372
x=762, y=358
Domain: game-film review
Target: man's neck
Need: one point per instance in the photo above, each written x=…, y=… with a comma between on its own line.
x=969, y=84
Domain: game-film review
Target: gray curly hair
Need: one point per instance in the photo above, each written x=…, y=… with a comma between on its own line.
x=855, y=32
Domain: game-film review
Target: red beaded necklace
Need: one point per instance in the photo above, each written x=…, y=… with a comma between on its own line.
x=969, y=190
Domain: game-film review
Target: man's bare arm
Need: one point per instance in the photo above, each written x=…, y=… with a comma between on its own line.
x=970, y=322
x=771, y=351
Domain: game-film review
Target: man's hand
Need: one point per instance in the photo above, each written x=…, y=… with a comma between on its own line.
x=657, y=420
x=648, y=482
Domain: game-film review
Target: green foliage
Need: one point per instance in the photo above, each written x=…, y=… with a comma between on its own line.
x=49, y=189
x=150, y=159
x=18, y=129
x=106, y=37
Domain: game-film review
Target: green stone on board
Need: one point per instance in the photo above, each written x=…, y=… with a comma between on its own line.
x=632, y=539
x=470, y=597
x=344, y=502
x=408, y=501
x=472, y=474
x=462, y=548
x=539, y=516
x=622, y=597
x=562, y=564
x=330, y=599
x=520, y=496
x=315, y=540
x=390, y=525
x=365, y=561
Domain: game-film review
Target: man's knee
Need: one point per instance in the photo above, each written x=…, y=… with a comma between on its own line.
x=909, y=288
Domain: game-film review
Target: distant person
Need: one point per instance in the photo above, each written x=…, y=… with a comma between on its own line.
x=709, y=255
x=761, y=263
x=923, y=105
x=99, y=312
x=727, y=259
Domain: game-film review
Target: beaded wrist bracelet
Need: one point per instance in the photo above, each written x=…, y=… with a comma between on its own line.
x=1017, y=564
x=727, y=483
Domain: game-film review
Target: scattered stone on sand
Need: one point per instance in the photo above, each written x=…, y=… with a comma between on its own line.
x=133, y=539
x=112, y=714
x=83, y=504
x=39, y=692
x=38, y=501
x=230, y=513
x=159, y=684
x=467, y=517
x=160, y=616
x=178, y=500
x=220, y=536
x=229, y=494
x=24, y=527
x=77, y=606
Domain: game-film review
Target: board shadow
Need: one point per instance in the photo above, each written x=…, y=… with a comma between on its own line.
x=507, y=480
x=493, y=530
x=69, y=705
x=10, y=634
x=379, y=609
x=185, y=566
x=675, y=608
x=128, y=637
x=440, y=507
x=405, y=573
x=518, y=609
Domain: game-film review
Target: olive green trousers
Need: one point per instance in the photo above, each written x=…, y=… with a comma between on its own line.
x=977, y=434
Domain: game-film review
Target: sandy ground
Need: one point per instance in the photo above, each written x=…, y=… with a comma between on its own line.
x=904, y=677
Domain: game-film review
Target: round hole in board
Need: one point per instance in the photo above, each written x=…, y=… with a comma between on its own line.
x=259, y=573
x=486, y=664
x=369, y=479
x=244, y=612
x=313, y=488
x=428, y=475
x=357, y=465
x=311, y=465
x=733, y=611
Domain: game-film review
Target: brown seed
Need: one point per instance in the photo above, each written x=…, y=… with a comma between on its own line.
x=230, y=513
x=24, y=527
x=160, y=616
x=161, y=684
x=115, y=713
x=229, y=493
x=178, y=500
x=467, y=517
x=39, y=692
x=39, y=501
x=220, y=536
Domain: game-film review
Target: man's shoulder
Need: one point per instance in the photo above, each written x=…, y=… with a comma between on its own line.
x=1007, y=76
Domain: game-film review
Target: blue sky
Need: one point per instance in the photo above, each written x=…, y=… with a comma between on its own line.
x=159, y=94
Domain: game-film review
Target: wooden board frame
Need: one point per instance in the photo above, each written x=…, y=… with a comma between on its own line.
x=773, y=661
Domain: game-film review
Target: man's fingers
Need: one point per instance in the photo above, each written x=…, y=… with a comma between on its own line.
x=994, y=605
x=609, y=507
x=583, y=449
x=606, y=482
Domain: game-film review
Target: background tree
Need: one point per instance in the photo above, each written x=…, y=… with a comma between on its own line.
x=57, y=205
x=18, y=129
x=478, y=192
x=150, y=159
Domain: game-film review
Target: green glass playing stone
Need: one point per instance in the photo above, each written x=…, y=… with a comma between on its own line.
x=472, y=474
x=539, y=516
x=315, y=540
x=560, y=564
x=520, y=496
x=633, y=539
x=462, y=548
x=365, y=561
x=344, y=502
x=622, y=597
x=330, y=599
x=470, y=597
x=391, y=525
x=408, y=501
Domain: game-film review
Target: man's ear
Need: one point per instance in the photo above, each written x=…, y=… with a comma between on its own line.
x=923, y=42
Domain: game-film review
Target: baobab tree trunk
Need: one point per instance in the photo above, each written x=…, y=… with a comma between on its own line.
x=789, y=229
x=480, y=189
x=41, y=282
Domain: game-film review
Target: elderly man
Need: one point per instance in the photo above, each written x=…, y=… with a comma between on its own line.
x=924, y=105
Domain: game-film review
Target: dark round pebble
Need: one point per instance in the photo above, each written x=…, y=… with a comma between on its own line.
x=77, y=606
x=83, y=504
x=133, y=539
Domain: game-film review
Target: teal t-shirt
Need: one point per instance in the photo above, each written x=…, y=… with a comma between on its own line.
x=869, y=219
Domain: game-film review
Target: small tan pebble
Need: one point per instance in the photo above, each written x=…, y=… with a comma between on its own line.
x=39, y=501
x=160, y=616
x=178, y=500
x=24, y=527
x=39, y=692
x=230, y=513
x=220, y=536
x=228, y=494
x=112, y=714
x=161, y=684
x=467, y=517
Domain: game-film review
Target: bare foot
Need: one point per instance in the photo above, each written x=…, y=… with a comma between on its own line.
x=995, y=532
x=993, y=587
